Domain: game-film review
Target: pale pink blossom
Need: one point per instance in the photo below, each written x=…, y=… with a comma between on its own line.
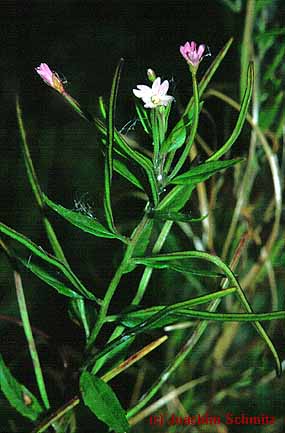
x=192, y=54
x=50, y=78
x=154, y=96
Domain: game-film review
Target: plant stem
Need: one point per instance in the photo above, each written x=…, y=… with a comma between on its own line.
x=116, y=280
x=148, y=271
x=194, y=127
x=145, y=276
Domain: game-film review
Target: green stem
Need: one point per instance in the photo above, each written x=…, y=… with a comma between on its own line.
x=116, y=280
x=148, y=271
x=155, y=136
x=30, y=339
x=194, y=127
x=146, y=275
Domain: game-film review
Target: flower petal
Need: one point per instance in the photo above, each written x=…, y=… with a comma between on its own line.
x=156, y=85
x=166, y=99
x=201, y=50
x=163, y=88
x=138, y=93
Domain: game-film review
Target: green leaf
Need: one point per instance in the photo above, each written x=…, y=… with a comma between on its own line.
x=109, y=151
x=203, y=172
x=143, y=116
x=18, y=395
x=143, y=240
x=213, y=67
x=103, y=402
x=83, y=222
x=190, y=269
x=114, y=356
x=178, y=135
x=183, y=315
x=178, y=267
x=47, y=276
x=63, y=270
x=102, y=108
x=123, y=170
x=170, y=314
x=176, y=198
x=241, y=118
x=173, y=216
x=83, y=313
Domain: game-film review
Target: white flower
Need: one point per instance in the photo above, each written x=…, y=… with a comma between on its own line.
x=155, y=95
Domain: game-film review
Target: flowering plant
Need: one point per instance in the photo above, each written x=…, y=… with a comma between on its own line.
x=166, y=178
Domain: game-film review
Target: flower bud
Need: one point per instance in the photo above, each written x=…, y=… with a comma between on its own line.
x=151, y=75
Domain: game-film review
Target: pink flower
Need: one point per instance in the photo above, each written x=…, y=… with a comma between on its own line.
x=50, y=78
x=154, y=96
x=191, y=54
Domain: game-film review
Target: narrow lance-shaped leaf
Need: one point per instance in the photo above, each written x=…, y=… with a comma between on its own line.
x=48, y=258
x=103, y=402
x=173, y=216
x=49, y=276
x=109, y=150
x=204, y=171
x=83, y=222
x=18, y=395
x=143, y=117
x=176, y=198
x=241, y=118
x=170, y=314
x=183, y=314
x=123, y=170
x=178, y=135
